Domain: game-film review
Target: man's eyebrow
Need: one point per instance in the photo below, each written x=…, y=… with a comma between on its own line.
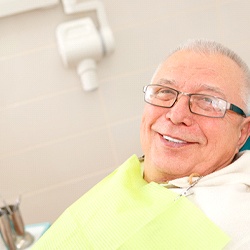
x=166, y=81
x=202, y=87
x=213, y=89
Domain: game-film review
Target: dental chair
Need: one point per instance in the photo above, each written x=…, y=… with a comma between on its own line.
x=246, y=145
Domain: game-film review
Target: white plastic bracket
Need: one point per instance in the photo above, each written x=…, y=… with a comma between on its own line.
x=12, y=7
x=77, y=6
x=81, y=44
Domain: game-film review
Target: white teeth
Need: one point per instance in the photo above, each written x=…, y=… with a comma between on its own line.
x=172, y=139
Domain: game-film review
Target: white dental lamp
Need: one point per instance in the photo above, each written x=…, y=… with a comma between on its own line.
x=80, y=44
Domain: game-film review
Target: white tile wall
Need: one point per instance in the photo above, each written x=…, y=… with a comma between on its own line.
x=56, y=141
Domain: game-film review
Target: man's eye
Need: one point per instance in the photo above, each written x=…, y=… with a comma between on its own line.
x=165, y=94
x=209, y=100
x=206, y=100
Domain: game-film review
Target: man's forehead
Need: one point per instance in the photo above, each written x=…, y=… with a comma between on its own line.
x=185, y=65
x=179, y=75
x=188, y=57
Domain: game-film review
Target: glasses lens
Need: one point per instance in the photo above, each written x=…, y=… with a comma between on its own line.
x=160, y=96
x=208, y=105
x=199, y=104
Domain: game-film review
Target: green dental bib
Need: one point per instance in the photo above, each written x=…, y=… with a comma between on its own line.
x=123, y=211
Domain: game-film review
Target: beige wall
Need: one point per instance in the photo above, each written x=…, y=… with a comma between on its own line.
x=57, y=141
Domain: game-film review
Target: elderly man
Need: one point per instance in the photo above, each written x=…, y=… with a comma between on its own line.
x=191, y=190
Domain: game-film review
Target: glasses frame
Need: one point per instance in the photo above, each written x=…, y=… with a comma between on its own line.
x=229, y=106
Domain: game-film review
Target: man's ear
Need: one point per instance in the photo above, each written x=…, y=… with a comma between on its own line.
x=244, y=132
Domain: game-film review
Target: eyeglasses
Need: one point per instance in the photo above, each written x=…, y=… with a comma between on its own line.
x=199, y=104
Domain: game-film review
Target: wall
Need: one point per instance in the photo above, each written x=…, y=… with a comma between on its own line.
x=56, y=141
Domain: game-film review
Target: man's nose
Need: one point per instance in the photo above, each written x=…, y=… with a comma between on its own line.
x=180, y=112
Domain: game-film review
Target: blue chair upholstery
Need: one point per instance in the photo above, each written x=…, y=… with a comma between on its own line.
x=246, y=145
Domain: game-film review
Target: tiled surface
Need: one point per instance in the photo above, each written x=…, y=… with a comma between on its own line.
x=126, y=91
x=30, y=76
x=126, y=136
x=132, y=13
x=56, y=162
x=57, y=141
x=49, y=119
x=234, y=20
x=49, y=203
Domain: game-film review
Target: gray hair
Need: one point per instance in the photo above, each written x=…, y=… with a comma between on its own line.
x=211, y=47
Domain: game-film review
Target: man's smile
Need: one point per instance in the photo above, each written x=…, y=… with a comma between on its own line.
x=171, y=139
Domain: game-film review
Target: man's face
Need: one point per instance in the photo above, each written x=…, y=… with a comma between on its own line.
x=195, y=144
